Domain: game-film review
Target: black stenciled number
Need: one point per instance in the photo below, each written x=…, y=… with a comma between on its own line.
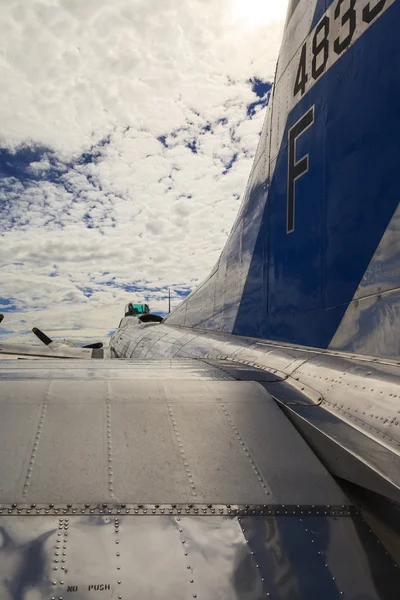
x=350, y=18
x=301, y=77
x=319, y=47
x=296, y=168
x=369, y=14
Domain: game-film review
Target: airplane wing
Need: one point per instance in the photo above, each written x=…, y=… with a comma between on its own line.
x=32, y=351
x=51, y=349
x=159, y=479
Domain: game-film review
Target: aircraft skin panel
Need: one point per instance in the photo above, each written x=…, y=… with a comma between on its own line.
x=108, y=554
x=356, y=396
x=96, y=426
x=170, y=478
x=371, y=320
x=321, y=203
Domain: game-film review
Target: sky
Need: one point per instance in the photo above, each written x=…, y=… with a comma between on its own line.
x=127, y=134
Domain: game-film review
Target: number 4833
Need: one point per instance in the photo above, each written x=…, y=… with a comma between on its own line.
x=321, y=45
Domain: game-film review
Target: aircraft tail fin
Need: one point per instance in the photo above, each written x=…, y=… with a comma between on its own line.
x=313, y=257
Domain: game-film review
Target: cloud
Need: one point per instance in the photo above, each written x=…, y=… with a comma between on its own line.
x=127, y=133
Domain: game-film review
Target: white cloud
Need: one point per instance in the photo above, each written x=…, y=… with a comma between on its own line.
x=129, y=145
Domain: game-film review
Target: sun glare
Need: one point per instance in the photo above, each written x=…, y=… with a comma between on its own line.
x=259, y=12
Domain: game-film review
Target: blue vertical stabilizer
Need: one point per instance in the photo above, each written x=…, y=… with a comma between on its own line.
x=312, y=256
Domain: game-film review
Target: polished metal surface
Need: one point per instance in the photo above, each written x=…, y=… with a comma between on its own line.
x=111, y=369
x=369, y=322
x=163, y=557
x=140, y=435
x=347, y=405
x=316, y=558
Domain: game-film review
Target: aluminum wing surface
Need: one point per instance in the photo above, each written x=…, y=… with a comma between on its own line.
x=159, y=479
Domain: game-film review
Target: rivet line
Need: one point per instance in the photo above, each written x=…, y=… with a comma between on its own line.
x=60, y=553
x=118, y=555
x=254, y=558
x=182, y=452
x=189, y=566
x=109, y=449
x=35, y=449
x=319, y=553
x=267, y=510
x=245, y=450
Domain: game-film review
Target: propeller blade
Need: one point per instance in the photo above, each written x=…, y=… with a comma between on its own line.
x=96, y=345
x=42, y=336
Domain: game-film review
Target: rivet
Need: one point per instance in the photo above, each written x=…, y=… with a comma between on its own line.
x=119, y=581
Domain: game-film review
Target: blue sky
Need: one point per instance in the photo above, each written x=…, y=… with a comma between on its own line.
x=127, y=133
